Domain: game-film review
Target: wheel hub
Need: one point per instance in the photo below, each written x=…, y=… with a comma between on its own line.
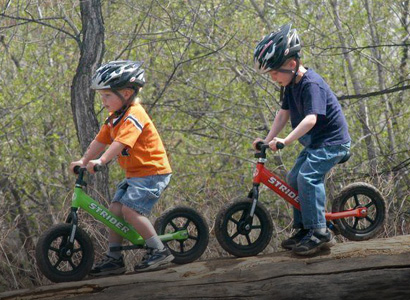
x=244, y=227
x=66, y=253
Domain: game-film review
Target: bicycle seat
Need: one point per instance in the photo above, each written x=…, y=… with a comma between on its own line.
x=345, y=158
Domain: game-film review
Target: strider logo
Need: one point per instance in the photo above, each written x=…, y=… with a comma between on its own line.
x=109, y=218
x=283, y=188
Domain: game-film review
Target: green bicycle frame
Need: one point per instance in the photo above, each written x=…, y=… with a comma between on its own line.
x=82, y=200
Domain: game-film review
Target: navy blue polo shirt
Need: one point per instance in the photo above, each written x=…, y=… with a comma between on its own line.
x=312, y=95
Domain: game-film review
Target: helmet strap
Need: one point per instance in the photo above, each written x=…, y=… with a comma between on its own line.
x=282, y=92
x=296, y=71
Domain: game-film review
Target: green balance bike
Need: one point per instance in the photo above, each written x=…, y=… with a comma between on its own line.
x=65, y=252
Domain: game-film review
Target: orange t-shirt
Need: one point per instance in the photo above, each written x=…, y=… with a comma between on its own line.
x=144, y=153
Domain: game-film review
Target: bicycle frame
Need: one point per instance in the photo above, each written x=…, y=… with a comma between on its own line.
x=81, y=200
x=273, y=182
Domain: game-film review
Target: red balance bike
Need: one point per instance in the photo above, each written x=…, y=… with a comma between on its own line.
x=244, y=227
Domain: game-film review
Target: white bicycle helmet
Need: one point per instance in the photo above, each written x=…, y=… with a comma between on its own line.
x=118, y=75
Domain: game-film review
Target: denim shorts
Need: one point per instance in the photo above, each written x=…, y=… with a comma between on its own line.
x=141, y=193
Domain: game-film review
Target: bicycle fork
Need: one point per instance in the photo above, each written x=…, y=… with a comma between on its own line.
x=73, y=219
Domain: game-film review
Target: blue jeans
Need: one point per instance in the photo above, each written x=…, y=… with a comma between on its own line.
x=307, y=177
x=141, y=193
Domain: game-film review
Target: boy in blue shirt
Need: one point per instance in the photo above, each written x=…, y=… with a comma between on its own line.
x=319, y=125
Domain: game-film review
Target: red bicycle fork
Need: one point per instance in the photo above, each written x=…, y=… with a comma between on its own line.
x=273, y=182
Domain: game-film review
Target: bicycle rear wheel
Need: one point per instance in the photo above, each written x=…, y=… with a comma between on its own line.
x=59, y=262
x=237, y=235
x=356, y=195
x=184, y=218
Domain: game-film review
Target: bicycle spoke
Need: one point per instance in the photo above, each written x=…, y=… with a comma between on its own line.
x=256, y=227
x=77, y=250
x=192, y=237
x=233, y=220
x=244, y=213
x=356, y=200
x=234, y=235
x=72, y=264
x=181, y=244
x=370, y=220
x=186, y=224
x=356, y=222
x=53, y=249
x=173, y=225
x=369, y=204
x=248, y=239
x=57, y=263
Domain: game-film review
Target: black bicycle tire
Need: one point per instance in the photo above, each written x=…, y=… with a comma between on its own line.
x=226, y=242
x=201, y=226
x=360, y=188
x=43, y=259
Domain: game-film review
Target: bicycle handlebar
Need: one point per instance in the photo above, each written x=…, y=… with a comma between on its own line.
x=77, y=169
x=261, y=146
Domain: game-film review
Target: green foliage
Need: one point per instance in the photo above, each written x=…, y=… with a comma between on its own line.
x=202, y=93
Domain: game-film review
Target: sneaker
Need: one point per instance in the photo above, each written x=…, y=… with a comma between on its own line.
x=291, y=242
x=154, y=258
x=313, y=242
x=108, y=266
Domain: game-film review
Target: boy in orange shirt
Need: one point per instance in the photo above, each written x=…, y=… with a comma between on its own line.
x=132, y=136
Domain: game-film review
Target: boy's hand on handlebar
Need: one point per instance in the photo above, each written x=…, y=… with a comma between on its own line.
x=273, y=143
x=257, y=141
x=74, y=164
x=92, y=163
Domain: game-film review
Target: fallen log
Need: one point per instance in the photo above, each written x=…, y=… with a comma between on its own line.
x=375, y=269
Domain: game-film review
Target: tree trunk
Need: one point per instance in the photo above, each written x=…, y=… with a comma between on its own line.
x=382, y=86
x=363, y=111
x=82, y=97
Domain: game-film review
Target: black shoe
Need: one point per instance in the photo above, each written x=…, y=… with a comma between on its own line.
x=291, y=242
x=154, y=258
x=108, y=266
x=313, y=242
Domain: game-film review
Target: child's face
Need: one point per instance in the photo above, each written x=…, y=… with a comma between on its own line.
x=282, y=78
x=110, y=101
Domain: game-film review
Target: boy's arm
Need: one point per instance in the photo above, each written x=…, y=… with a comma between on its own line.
x=93, y=151
x=307, y=124
x=113, y=150
x=278, y=124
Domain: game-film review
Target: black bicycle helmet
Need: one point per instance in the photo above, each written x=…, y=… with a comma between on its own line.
x=275, y=48
x=118, y=75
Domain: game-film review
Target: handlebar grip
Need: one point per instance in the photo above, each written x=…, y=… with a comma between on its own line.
x=98, y=168
x=260, y=145
x=280, y=145
x=76, y=170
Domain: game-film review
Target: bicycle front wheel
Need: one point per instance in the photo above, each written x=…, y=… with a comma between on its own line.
x=58, y=261
x=240, y=236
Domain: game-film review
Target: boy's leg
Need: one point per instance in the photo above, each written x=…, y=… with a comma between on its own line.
x=141, y=223
x=313, y=197
x=114, y=239
x=141, y=196
x=291, y=179
x=113, y=262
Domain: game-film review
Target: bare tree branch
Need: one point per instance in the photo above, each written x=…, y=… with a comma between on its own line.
x=40, y=22
x=378, y=93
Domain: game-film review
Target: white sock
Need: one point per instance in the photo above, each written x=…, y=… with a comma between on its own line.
x=114, y=254
x=155, y=243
